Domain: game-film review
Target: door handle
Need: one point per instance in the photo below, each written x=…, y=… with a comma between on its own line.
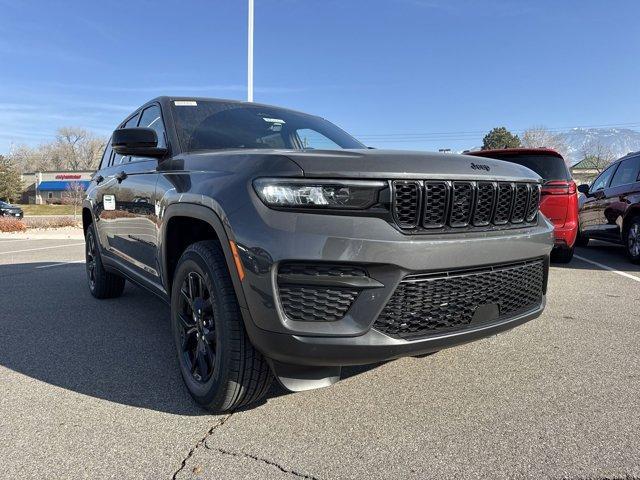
x=121, y=176
x=99, y=179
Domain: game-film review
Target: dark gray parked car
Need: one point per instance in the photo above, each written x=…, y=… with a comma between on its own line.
x=8, y=210
x=287, y=248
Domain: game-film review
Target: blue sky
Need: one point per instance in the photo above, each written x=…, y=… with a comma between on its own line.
x=419, y=74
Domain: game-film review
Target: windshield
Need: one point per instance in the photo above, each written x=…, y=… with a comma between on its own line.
x=215, y=125
x=547, y=166
x=3, y=204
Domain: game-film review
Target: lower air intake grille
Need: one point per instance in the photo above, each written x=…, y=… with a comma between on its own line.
x=429, y=304
x=301, y=297
x=316, y=304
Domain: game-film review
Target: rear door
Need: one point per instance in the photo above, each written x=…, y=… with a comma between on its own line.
x=623, y=185
x=104, y=209
x=137, y=228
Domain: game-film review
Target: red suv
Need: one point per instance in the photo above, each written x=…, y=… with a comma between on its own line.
x=559, y=201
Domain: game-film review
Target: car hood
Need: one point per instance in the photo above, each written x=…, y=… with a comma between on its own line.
x=405, y=164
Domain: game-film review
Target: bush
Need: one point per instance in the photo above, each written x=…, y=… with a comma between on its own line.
x=12, y=225
x=55, y=222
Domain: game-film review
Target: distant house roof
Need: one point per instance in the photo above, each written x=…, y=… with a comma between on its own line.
x=584, y=164
x=59, y=186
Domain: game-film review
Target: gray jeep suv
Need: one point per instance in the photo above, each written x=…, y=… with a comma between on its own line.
x=287, y=248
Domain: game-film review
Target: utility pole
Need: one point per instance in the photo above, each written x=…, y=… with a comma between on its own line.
x=250, y=55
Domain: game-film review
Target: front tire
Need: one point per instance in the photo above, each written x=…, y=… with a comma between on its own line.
x=102, y=284
x=632, y=240
x=219, y=365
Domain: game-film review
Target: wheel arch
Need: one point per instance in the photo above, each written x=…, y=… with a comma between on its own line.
x=175, y=216
x=632, y=212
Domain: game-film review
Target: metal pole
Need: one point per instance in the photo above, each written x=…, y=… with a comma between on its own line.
x=250, y=55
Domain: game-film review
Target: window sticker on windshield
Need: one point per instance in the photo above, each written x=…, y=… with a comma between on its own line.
x=273, y=120
x=185, y=103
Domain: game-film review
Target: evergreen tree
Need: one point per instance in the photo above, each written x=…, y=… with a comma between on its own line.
x=500, y=137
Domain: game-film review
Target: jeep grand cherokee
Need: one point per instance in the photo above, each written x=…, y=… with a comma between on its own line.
x=287, y=248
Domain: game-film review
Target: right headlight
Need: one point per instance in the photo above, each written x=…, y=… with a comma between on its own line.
x=327, y=194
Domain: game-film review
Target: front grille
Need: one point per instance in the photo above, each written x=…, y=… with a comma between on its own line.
x=406, y=205
x=421, y=207
x=433, y=303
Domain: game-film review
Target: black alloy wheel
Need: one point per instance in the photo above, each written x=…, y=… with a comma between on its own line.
x=91, y=259
x=197, y=328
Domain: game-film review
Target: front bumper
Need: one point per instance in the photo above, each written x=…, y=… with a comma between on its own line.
x=371, y=347
x=266, y=238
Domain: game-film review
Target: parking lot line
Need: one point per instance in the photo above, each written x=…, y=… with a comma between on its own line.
x=61, y=263
x=42, y=248
x=606, y=267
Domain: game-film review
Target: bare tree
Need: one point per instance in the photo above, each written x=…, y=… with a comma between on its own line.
x=540, y=136
x=73, y=149
x=597, y=155
x=74, y=195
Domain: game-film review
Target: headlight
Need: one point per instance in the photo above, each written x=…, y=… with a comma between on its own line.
x=336, y=194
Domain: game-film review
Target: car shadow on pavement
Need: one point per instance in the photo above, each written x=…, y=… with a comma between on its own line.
x=120, y=350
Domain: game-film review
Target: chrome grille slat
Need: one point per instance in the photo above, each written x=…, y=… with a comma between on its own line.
x=441, y=205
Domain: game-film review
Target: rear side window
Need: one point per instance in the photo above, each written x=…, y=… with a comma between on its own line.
x=548, y=167
x=627, y=172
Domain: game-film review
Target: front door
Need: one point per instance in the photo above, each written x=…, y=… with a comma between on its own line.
x=137, y=224
x=592, y=215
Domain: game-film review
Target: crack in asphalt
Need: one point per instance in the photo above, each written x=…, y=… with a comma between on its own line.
x=201, y=442
x=264, y=460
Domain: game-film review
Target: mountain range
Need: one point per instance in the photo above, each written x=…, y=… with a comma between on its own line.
x=619, y=141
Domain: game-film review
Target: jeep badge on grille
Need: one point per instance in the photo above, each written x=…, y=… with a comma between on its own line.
x=479, y=166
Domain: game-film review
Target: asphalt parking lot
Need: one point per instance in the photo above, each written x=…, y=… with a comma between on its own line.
x=91, y=389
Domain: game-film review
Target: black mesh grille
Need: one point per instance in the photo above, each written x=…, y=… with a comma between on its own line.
x=425, y=305
x=445, y=205
x=406, y=203
x=461, y=204
x=318, y=269
x=316, y=304
x=503, y=204
x=435, y=204
x=520, y=203
x=484, y=204
x=534, y=203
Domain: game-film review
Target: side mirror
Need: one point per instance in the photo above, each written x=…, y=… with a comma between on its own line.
x=138, y=142
x=583, y=188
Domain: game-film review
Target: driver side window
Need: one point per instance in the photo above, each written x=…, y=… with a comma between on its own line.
x=310, y=139
x=603, y=180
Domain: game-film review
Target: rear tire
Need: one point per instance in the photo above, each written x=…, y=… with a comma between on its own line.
x=562, y=255
x=219, y=365
x=632, y=240
x=102, y=284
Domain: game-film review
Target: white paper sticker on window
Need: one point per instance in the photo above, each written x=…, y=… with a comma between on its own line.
x=273, y=120
x=109, y=202
x=185, y=103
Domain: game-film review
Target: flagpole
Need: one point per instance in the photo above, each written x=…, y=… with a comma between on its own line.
x=250, y=55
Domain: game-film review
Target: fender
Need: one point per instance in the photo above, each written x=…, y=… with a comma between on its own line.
x=632, y=211
x=207, y=215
